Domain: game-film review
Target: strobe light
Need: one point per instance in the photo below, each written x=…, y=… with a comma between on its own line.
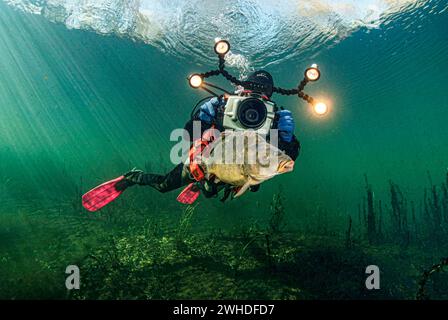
x=222, y=47
x=195, y=81
x=320, y=108
x=312, y=73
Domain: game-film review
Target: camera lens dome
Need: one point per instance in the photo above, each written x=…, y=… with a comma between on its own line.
x=252, y=113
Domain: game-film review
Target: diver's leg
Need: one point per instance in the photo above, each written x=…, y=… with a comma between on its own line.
x=176, y=178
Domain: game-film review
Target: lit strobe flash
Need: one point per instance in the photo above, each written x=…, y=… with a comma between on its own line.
x=222, y=47
x=312, y=73
x=195, y=81
x=320, y=108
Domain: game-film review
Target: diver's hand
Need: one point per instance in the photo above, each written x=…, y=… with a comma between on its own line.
x=208, y=110
x=285, y=125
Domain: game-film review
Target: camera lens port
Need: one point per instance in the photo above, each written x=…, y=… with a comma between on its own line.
x=252, y=113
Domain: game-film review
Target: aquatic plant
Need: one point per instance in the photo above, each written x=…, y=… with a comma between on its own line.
x=398, y=207
x=134, y=250
x=379, y=232
x=75, y=201
x=371, y=228
x=277, y=213
x=421, y=293
x=434, y=208
x=399, y=214
x=445, y=199
x=348, y=234
x=185, y=223
x=407, y=224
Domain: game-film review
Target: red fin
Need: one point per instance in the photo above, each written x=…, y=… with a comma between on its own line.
x=102, y=195
x=189, y=195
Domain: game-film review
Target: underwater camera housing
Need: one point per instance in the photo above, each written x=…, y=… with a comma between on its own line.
x=251, y=112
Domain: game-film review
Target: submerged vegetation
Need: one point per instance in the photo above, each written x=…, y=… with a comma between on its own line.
x=76, y=103
x=401, y=222
x=130, y=252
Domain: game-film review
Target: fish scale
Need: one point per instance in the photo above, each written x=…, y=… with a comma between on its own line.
x=244, y=174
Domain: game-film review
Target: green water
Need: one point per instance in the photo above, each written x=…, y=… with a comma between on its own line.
x=77, y=109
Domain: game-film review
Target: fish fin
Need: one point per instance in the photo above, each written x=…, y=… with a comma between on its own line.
x=242, y=190
x=227, y=193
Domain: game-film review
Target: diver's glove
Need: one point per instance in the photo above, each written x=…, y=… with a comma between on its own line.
x=285, y=125
x=207, y=111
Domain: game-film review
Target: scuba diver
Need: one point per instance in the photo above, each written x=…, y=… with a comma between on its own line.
x=250, y=107
x=210, y=115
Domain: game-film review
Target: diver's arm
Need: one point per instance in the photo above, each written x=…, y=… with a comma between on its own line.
x=209, y=110
x=207, y=115
x=292, y=148
x=189, y=128
x=288, y=142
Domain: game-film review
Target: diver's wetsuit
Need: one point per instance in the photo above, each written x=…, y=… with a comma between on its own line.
x=180, y=176
x=176, y=178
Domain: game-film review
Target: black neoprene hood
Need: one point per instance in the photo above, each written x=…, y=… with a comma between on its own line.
x=263, y=78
